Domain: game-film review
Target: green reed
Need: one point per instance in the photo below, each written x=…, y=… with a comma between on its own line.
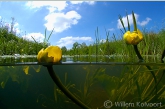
x=14, y=44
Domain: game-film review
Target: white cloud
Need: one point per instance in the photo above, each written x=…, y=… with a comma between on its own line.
x=16, y=28
x=102, y=41
x=111, y=29
x=145, y=22
x=80, y=2
x=69, y=40
x=59, y=5
x=119, y=25
x=51, y=9
x=56, y=18
x=76, y=2
x=61, y=21
x=50, y=5
x=37, y=36
x=90, y=2
x=0, y=17
x=16, y=24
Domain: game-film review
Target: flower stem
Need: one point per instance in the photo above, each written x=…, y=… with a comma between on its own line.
x=163, y=54
x=137, y=53
x=63, y=88
x=149, y=68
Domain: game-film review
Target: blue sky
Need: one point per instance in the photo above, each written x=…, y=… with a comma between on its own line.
x=77, y=21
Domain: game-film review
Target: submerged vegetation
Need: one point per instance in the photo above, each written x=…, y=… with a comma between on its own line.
x=92, y=84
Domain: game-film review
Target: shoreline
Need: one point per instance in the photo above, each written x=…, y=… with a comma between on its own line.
x=28, y=56
x=18, y=56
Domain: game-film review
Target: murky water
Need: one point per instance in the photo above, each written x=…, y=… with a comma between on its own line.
x=28, y=85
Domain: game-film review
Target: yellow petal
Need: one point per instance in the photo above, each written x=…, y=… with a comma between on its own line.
x=133, y=37
x=127, y=37
x=54, y=52
x=140, y=35
x=40, y=55
x=50, y=54
x=43, y=56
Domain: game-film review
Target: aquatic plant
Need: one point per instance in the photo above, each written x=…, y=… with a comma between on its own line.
x=97, y=43
x=64, y=89
x=134, y=38
x=17, y=74
x=85, y=93
x=60, y=97
x=50, y=54
x=135, y=82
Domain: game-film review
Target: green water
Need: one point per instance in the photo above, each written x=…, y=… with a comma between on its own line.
x=28, y=85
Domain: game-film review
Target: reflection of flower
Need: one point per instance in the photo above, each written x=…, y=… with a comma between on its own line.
x=50, y=54
x=133, y=38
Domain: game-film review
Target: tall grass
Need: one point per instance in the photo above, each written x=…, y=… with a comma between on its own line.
x=153, y=44
x=11, y=44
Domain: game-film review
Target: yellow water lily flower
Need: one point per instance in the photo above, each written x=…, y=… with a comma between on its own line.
x=50, y=54
x=133, y=37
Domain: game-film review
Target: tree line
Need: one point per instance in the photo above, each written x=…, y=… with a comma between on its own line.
x=153, y=44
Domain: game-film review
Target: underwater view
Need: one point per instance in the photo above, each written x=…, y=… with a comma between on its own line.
x=124, y=70
x=99, y=85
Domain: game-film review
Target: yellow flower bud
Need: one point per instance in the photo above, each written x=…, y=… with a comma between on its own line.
x=50, y=54
x=133, y=38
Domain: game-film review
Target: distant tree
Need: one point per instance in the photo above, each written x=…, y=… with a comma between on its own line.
x=84, y=49
x=75, y=45
x=83, y=44
x=75, y=49
x=64, y=50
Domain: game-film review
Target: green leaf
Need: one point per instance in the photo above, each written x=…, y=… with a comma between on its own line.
x=26, y=69
x=134, y=21
x=50, y=35
x=37, y=69
x=121, y=20
x=45, y=35
x=128, y=22
x=3, y=84
x=34, y=39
